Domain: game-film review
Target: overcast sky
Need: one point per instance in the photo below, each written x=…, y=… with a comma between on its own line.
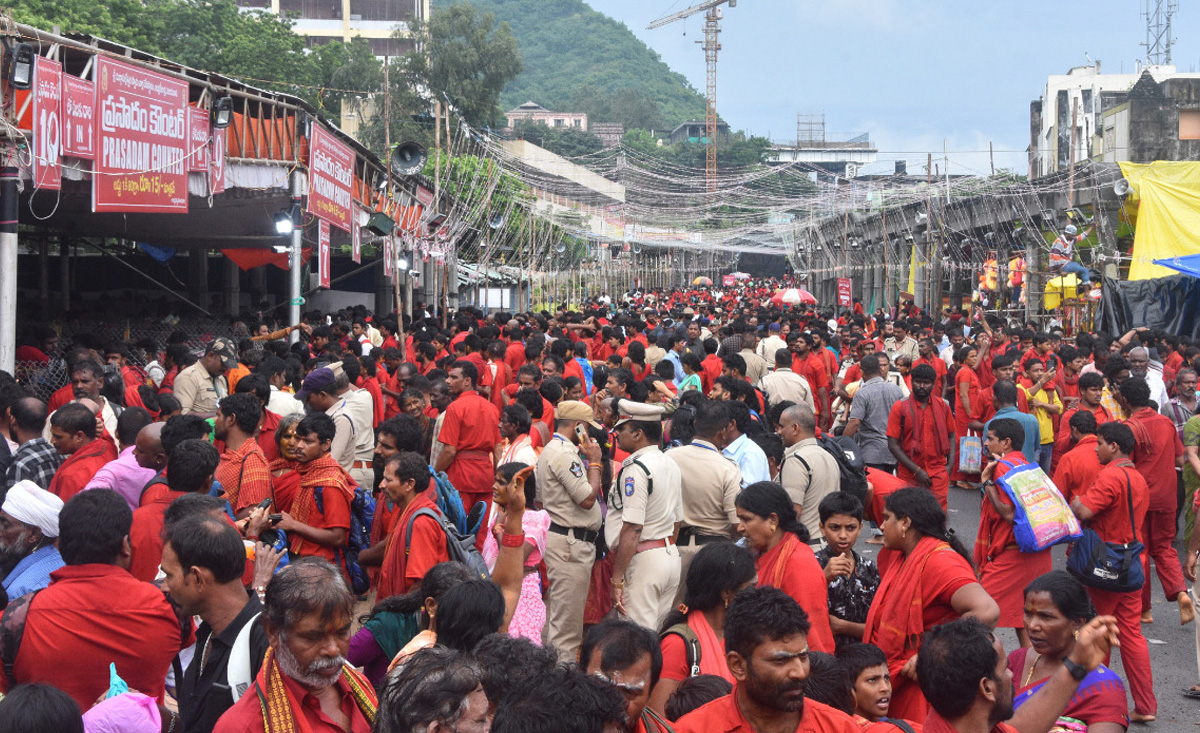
x=912, y=73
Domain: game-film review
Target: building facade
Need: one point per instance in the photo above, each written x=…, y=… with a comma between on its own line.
x=536, y=113
x=378, y=21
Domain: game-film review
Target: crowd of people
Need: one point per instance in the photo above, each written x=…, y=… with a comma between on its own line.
x=637, y=516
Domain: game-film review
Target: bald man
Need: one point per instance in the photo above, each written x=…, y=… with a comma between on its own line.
x=148, y=448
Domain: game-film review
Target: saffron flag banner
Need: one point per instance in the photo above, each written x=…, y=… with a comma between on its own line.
x=142, y=136
x=47, y=124
x=843, y=290
x=331, y=173
x=79, y=115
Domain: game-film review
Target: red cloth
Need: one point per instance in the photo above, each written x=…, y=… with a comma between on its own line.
x=1103, y=702
x=266, y=435
x=1062, y=436
x=883, y=485
x=1157, y=533
x=514, y=356
x=1158, y=447
x=61, y=396
x=573, y=369
x=712, y=652
x=472, y=427
x=914, y=595
x=337, y=491
x=935, y=723
x=145, y=536
x=710, y=369
x=961, y=417
x=246, y=715
x=923, y=430
x=90, y=616
x=405, y=563
x=245, y=475
x=496, y=375
x=371, y=384
x=1078, y=468
x=792, y=567
x=1135, y=651
x=1106, y=498
x=724, y=716
x=813, y=369
x=477, y=360
x=81, y=466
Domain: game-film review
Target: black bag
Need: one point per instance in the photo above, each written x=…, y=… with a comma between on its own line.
x=1108, y=565
x=852, y=471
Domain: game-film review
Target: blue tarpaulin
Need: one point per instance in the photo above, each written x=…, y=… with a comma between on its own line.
x=1188, y=264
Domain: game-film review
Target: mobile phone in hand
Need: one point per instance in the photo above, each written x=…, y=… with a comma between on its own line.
x=274, y=518
x=581, y=433
x=264, y=504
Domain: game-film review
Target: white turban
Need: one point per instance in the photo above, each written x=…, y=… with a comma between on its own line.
x=27, y=503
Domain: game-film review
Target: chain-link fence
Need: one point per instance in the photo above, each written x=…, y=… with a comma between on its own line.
x=141, y=341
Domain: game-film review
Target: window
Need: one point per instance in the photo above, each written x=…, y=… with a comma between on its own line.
x=1189, y=124
x=1087, y=101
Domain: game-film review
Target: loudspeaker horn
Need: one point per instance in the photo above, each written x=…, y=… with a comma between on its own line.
x=1121, y=187
x=495, y=221
x=408, y=159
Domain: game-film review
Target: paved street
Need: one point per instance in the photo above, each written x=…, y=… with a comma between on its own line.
x=1172, y=647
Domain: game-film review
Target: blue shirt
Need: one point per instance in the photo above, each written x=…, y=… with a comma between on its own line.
x=750, y=459
x=1033, y=433
x=673, y=357
x=33, y=572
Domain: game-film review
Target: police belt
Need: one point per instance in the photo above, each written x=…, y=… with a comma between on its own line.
x=583, y=535
x=693, y=536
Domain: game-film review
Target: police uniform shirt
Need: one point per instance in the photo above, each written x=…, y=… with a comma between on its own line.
x=630, y=499
x=562, y=485
x=709, y=483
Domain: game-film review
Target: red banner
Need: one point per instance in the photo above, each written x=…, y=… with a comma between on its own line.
x=356, y=241
x=216, y=161
x=142, y=136
x=197, y=140
x=79, y=114
x=728, y=281
x=844, y=296
x=389, y=257
x=331, y=175
x=47, y=124
x=323, y=250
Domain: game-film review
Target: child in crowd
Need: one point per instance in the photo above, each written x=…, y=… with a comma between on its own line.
x=852, y=579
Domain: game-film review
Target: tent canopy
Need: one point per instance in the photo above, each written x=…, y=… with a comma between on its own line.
x=1188, y=264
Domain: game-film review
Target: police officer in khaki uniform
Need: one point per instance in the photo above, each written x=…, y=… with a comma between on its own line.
x=710, y=483
x=568, y=485
x=644, y=509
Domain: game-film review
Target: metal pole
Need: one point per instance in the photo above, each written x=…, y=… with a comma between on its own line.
x=8, y=269
x=295, y=262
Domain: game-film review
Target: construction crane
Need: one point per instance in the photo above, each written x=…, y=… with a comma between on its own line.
x=711, y=45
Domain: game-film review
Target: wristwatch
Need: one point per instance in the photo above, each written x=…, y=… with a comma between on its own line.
x=1077, y=671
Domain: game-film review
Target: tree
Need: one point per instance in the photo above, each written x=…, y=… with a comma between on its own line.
x=569, y=142
x=631, y=107
x=463, y=54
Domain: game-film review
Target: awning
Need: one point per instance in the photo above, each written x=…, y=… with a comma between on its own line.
x=1188, y=264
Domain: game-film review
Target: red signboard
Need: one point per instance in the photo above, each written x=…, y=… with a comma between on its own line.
x=142, y=140
x=323, y=252
x=356, y=242
x=216, y=161
x=843, y=291
x=47, y=125
x=389, y=257
x=197, y=140
x=331, y=174
x=79, y=114
x=728, y=281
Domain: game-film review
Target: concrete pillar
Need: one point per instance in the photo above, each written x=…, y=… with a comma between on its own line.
x=198, y=277
x=295, y=263
x=384, y=295
x=232, y=286
x=8, y=268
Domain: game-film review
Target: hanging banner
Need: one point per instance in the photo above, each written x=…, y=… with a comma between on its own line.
x=47, y=124
x=216, y=161
x=844, y=296
x=142, y=136
x=197, y=140
x=389, y=257
x=331, y=174
x=78, y=115
x=356, y=243
x=728, y=281
x=323, y=252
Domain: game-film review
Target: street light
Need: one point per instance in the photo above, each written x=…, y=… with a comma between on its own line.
x=288, y=219
x=222, y=112
x=21, y=73
x=402, y=264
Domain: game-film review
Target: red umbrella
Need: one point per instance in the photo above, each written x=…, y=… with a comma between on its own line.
x=793, y=296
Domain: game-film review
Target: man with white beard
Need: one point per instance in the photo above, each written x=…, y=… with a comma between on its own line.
x=28, y=530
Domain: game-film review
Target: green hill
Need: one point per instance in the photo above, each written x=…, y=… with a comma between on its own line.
x=580, y=60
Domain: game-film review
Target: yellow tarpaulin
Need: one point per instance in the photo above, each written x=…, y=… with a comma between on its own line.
x=1060, y=288
x=1168, y=214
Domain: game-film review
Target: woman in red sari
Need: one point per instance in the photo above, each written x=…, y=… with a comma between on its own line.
x=767, y=517
x=968, y=407
x=635, y=361
x=285, y=482
x=927, y=580
x=714, y=577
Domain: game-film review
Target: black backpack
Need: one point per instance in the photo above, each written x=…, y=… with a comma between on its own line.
x=852, y=472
